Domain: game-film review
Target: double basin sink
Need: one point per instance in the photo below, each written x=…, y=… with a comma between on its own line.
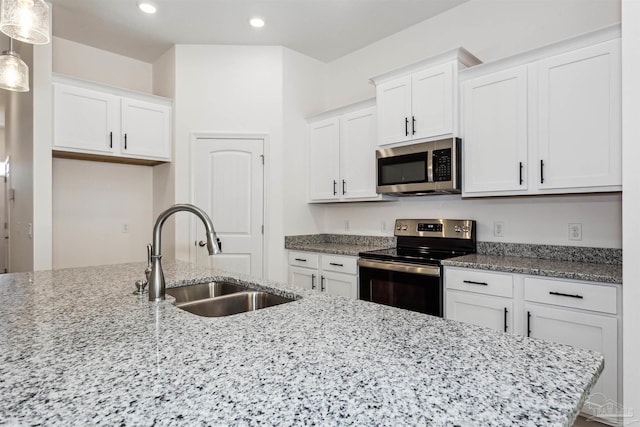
x=216, y=299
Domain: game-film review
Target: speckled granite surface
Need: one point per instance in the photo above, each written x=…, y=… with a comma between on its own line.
x=338, y=244
x=553, y=252
x=77, y=348
x=594, y=272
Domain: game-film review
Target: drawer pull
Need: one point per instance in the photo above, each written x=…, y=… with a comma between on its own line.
x=301, y=259
x=322, y=286
x=566, y=295
x=476, y=283
x=313, y=281
x=336, y=264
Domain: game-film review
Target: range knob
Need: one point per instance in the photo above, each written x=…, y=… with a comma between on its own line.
x=457, y=229
x=465, y=229
x=404, y=228
x=398, y=227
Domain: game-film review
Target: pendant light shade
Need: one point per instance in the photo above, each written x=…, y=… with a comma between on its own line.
x=14, y=73
x=25, y=20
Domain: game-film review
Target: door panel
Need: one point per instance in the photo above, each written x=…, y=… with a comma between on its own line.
x=228, y=185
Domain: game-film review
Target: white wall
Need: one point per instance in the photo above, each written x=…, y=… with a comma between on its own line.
x=89, y=63
x=491, y=29
x=303, y=79
x=231, y=89
x=99, y=183
x=164, y=189
x=19, y=144
x=93, y=201
x=631, y=203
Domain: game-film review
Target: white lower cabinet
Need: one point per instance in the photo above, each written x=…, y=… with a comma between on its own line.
x=491, y=312
x=581, y=314
x=333, y=274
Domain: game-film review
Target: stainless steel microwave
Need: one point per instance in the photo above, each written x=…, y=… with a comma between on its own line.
x=419, y=169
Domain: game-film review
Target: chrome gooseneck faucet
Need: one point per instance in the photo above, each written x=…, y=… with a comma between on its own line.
x=156, y=278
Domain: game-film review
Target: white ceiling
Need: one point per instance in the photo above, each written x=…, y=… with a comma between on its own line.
x=322, y=29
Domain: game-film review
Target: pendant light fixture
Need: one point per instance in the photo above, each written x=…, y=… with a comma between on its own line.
x=25, y=20
x=14, y=73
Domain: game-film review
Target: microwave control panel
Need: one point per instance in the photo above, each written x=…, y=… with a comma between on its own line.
x=442, y=165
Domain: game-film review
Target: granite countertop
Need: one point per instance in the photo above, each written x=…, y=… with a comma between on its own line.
x=77, y=348
x=588, y=271
x=338, y=244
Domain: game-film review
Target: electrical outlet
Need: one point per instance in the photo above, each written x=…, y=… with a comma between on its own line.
x=347, y=225
x=498, y=228
x=575, y=231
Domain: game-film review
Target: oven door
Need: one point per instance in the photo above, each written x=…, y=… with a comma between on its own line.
x=409, y=286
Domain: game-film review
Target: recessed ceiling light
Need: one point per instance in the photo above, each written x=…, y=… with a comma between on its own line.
x=147, y=7
x=257, y=22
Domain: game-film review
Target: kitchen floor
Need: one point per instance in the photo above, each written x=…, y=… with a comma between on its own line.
x=584, y=422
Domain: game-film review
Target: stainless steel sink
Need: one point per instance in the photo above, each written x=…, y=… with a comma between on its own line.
x=216, y=299
x=203, y=291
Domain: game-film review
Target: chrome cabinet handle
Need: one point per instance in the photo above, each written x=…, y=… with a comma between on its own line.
x=313, y=281
x=505, y=318
x=322, y=286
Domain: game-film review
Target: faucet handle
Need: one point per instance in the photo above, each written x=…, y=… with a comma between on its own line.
x=149, y=252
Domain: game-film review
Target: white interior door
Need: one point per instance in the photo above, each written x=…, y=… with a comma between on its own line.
x=228, y=185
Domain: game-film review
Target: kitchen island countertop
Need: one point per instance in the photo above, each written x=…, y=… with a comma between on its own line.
x=78, y=348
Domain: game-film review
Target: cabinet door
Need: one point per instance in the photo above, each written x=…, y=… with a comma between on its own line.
x=358, y=154
x=482, y=310
x=146, y=129
x=432, y=102
x=324, y=160
x=579, y=125
x=305, y=278
x=345, y=285
x=393, y=99
x=495, y=133
x=582, y=330
x=85, y=120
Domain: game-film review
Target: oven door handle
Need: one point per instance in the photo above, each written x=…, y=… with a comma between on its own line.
x=400, y=267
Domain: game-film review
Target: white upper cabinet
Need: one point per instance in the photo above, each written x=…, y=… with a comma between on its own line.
x=495, y=112
x=545, y=122
x=579, y=125
x=85, y=119
x=342, y=155
x=419, y=102
x=96, y=122
x=146, y=128
x=324, y=159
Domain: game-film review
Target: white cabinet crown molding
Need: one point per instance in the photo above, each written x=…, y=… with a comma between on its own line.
x=345, y=109
x=113, y=90
x=601, y=35
x=463, y=56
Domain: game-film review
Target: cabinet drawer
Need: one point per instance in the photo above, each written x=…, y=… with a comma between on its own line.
x=339, y=264
x=585, y=296
x=481, y=282
x=303, y=259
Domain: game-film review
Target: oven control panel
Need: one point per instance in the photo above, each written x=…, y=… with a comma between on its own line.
x=444, y=228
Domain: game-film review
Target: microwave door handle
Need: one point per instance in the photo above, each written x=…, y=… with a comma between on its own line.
x=429, y=166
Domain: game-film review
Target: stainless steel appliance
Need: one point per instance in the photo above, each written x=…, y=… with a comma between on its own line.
x=419, y=169
x=409, y=276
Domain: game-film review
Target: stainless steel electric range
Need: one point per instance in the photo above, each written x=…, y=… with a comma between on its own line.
x=409, y=276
